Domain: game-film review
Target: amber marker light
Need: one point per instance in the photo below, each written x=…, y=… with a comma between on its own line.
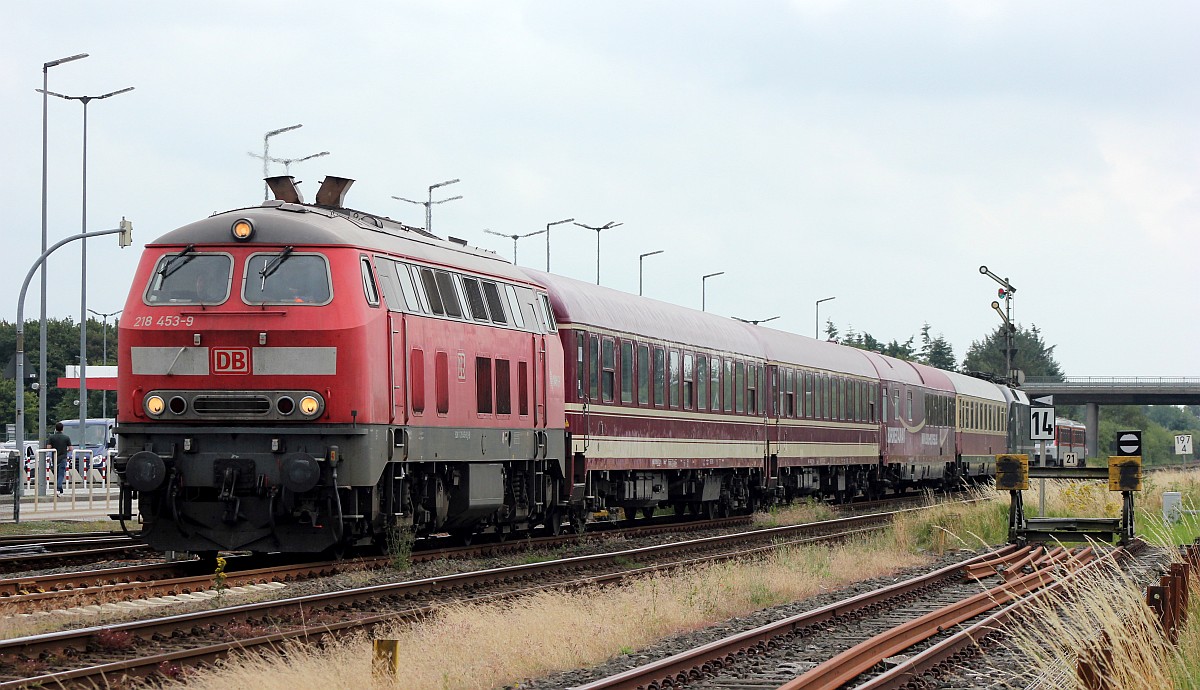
x=309, y=405
x=242, y=229
x=155, y=405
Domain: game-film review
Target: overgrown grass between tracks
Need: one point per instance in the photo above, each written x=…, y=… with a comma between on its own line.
x=485, y=646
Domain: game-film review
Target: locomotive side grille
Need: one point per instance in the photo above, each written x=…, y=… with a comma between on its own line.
x=225, y=405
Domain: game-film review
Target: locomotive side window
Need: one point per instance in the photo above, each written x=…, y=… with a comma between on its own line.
x=416, y=372
x=475, y=299
x=441, y=383
x=626, y=371
x=431, y=292
x=495, y=305
x=187, y=277
x=514, y=307
x=503, y=387
x=368, y=276
x=286, y=277
x=523, y=388
x=483, y=384
x=445, y=283
x=643, y=366
x=552, y=325
x=701, y=382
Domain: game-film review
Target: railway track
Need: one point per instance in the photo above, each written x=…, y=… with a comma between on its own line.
x=26, y=594
x=844, y=643
x=106, y=655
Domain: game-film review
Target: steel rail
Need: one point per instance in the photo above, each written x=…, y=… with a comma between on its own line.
x=305, y=607
x=680, y=667
x=972, y=637
x=848, y=665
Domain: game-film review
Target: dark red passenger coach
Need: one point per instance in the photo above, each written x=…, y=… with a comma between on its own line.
x=307, y=377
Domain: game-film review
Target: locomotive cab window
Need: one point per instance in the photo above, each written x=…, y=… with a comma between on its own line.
x=188, y=277
x=286, y=277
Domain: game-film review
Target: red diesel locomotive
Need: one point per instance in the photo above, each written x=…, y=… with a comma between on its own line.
x=303, y=377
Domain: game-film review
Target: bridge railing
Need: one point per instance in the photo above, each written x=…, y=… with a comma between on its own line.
x=1114, y=381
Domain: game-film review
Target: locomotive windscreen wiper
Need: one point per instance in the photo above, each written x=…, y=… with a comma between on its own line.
x=274, y=264
x=170, y=267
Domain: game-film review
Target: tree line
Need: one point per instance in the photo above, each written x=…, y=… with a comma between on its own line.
x=62, y=349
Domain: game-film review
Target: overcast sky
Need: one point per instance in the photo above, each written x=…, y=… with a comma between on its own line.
x=876, y=152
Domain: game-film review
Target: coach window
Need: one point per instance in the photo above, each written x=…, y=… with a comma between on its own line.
x=728, y=387
x=751, y=389
x=187, y=277
x=660, y=377
x=368, y=276
x=885, y=405
x=873, y=391
x=514, y=306
x=503, y=387
x=416, y=374
x=594, y=368
x=701, y=382
x=792, y=378
x=910, y=414
x=689, y=374
x=608, y=369
x=441, y=383
x=483, y=385
x=643, y=374
x=475, y=302
x=827, y=397
x=739, y=386
x=626, y=371
x=714, y=369
x=673, y=382
x=523, y=388
x=579, y=368
x=495, y=304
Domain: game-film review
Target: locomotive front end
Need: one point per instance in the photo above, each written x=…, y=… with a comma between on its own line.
x=245, y=382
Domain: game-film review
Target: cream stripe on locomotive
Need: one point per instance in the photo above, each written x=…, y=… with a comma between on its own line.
x=625, y=447
x=195, y=361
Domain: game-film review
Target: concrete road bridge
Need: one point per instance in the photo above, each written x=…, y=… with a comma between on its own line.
x=1094, y=391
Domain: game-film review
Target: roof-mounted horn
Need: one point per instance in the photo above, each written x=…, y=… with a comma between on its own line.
x=285, y=190
x=333, y=191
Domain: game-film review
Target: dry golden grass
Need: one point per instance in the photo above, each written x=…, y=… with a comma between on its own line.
x=1109, y=605
x=485, y=646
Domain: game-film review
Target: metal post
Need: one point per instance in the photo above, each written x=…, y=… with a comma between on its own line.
x=640, y=257
x=548, y=225
x=42, y=320
x=817, y=328
x=429, y=204
x=126, y=230
x=267, y=155
x=514, y=237
x=704, y=289
x=104, y=355
x=607, y=226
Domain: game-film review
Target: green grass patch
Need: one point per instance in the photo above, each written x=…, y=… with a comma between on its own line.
x=59, y=526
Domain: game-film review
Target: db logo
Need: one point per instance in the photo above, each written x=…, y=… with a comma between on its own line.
x=230, y=360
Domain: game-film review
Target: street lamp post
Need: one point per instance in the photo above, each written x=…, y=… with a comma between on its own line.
x=287, y=162
x=83, y=406
x=704, y=289
x=755, y=322
x=125, y=239
x=557, y=222
x=430, y=202
x=266, y=156
x=817, y=328
x=607, y=226
x=42, y=320
x=1006, y=292
x=640, y=257
x=514, y=237
x=104, y=356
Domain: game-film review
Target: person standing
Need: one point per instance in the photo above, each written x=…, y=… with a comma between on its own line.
x=61, y=443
